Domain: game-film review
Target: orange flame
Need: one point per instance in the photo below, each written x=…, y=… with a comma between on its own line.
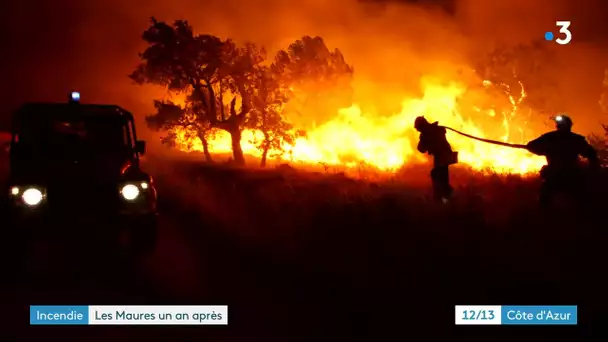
x=387, y=143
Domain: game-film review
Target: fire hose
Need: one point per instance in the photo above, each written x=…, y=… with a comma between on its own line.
x=489, y=141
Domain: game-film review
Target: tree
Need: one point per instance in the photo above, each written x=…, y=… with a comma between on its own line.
x=598, y=141
x=524, y=67
x=214, y=73
x=174, y=118
x=319, y=79
x=266, y=116
x=604, y=96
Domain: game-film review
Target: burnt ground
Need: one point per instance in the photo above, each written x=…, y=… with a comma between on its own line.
x=312, y=257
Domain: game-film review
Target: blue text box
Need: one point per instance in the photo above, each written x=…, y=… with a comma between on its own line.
x=59, y=315
x=539, y=315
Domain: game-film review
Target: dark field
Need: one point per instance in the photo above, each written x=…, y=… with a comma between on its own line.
x=313, y=257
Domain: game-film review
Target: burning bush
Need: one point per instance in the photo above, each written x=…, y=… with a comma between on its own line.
x=600, y=143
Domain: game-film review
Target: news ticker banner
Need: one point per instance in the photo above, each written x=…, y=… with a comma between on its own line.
x=218, y=315
x=128, y=315
x=516, y=315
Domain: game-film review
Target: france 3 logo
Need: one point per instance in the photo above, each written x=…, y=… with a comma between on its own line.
x=564, y=31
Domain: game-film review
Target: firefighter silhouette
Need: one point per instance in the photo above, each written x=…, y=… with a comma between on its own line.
x=434, y=142
x=563, y=173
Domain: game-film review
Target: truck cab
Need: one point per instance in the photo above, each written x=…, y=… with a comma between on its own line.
x=80, y=164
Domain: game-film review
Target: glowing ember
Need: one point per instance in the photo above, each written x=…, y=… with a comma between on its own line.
x=387, y=143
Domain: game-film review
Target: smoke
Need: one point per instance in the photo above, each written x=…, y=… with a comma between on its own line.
x=92, y=46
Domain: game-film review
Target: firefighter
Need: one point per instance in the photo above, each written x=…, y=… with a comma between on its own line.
x=434, y=142
x=563, y=173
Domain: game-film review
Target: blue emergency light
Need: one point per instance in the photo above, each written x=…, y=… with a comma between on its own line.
x=75, y=96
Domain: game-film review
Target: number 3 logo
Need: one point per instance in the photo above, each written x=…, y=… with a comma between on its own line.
x=564, y=25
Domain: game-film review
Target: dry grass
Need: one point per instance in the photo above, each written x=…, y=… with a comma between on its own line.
x=275, y=207
x=383, y=244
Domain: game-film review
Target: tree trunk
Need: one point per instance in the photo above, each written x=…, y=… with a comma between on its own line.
x=264, y=156
x=208, y=158
x=237, y=150
x=265, y=149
